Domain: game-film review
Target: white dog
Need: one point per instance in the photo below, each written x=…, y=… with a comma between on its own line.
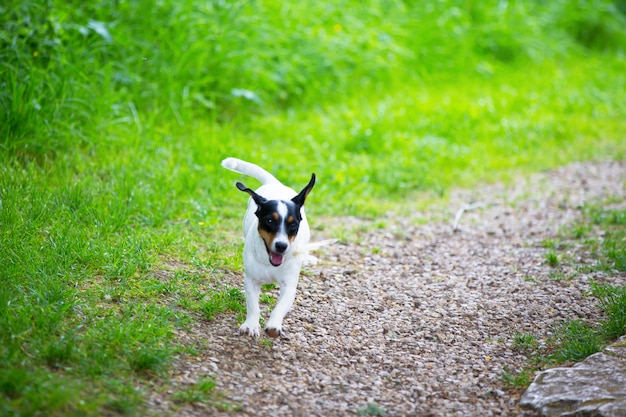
x=276, y=241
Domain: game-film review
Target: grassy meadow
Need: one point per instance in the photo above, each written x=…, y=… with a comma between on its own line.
x=117, y=224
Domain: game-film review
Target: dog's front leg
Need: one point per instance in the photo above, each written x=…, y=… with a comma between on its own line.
x=253, y=313
x=287, y=296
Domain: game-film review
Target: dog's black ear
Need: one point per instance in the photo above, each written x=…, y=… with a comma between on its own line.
x=257, y=198
x=299, y=199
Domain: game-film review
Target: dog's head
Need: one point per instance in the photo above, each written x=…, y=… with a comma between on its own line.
x=279, y=220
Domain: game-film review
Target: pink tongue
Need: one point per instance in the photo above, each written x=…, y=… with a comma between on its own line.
x=276, y=258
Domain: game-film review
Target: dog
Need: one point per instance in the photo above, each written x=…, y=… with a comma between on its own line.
x=276, y=242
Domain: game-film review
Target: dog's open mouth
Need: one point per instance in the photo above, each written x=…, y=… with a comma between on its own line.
x=276, y=259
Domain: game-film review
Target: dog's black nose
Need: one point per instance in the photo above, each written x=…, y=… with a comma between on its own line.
x=281, y=247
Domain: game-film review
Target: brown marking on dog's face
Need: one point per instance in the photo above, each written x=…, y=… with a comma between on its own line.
x=267, y=236
x=292, y=227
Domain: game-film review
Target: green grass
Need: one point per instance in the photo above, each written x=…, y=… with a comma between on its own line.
x=518, y=379
x=204, y=392
x=117, y=224
x=612, y=300
x=232, y=299
x=613, y=247
x=525, y=342
x=552, y=259
x=371, y=409
x=575, y=340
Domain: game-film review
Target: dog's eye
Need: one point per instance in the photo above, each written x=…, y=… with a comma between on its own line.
x=269, y=222
x=292, y=227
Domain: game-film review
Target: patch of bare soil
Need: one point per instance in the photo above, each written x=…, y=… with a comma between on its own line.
x=415, y=319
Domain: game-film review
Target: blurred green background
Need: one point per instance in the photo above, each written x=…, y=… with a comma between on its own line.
x=114, y=116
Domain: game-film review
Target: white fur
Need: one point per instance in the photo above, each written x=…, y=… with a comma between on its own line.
x=258, y=269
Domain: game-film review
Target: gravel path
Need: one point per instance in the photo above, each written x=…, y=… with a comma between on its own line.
x=415, y=319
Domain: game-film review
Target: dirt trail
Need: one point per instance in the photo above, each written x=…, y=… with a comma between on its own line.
x=415, y=319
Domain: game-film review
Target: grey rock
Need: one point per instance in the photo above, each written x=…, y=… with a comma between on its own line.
x=593, y=387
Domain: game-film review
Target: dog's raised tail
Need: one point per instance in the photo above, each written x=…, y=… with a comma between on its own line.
x=247, y=168
x=303, y=250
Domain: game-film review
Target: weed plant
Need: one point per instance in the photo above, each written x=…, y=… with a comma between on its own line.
x=613, y=246
x=552, y=259
x=116, y=221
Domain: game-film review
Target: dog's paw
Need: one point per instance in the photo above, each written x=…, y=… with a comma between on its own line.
x=252, y=330
x=273, y=331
